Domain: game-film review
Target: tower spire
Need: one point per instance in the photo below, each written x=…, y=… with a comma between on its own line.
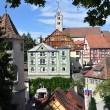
x=58, y=2
x=59, y=17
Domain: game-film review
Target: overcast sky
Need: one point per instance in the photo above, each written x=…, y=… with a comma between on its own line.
x=41, y=21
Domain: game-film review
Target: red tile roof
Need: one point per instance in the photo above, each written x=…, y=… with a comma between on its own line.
x=97, y=41
x=101, y=70
x=81, y=32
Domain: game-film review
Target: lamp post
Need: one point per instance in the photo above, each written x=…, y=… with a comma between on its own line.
x=71, y=70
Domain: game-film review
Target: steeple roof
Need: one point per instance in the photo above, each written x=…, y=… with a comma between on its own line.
x=9, y=28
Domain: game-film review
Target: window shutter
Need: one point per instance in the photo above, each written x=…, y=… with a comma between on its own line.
x=45, y=61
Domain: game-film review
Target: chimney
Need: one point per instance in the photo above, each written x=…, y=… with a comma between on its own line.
x=76, y=89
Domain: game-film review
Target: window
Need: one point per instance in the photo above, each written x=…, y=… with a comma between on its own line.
x=77, y=52
x=42, y=48
x=57, y=33
x=42, y=53
x=53, y=61
x=42, y=61
x=9, y=46
x=51, y=39
x=63, y=53
x=31, y=53
x=58, y=23
x=94, y=50
x=63, y=61
x=63, y=69
x=90, y=80
x=32, y=69
x=43, y=69
x=53, y=69
x=53, y=53
x=32, y=61
x=62, y=39
x=58, y=18
x=96, y=81
x=95, y=55
x=21, y=46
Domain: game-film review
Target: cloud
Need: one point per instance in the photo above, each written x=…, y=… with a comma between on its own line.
x=71, y=14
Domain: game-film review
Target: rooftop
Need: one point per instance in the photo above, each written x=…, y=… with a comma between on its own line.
x=101, y=70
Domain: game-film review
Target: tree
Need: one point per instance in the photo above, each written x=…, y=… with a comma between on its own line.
x=16, y=3
x=29, y=43
x=104, y=91
x=98, y=10
x=92, y=104
x=6, y=76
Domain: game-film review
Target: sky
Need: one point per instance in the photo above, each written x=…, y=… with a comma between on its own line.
x=41, y=20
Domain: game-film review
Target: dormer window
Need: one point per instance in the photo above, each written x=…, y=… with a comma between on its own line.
x=98, y=69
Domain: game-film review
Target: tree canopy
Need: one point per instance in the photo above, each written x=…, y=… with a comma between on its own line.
x=29, y=43
x=104, y=90
x=98, y=10
x=92, y=104
x=6, y=76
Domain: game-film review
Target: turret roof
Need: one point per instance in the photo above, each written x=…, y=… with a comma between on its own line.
x=9, y=28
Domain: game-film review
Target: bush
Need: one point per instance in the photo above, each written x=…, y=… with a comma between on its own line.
x=51, y=84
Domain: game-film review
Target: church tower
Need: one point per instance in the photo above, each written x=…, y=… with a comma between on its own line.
x=59, y=19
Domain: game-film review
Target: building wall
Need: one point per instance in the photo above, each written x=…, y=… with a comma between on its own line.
x=76, y=59
x=57, y=64
x=18, y=59
x=90, y=84
x=94, y=55
x=56, y=105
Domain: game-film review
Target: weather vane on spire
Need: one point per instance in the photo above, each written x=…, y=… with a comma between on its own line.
x=6, y=7
x=58, y=2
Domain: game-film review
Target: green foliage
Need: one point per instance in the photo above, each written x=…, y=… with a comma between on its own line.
x=104, y=91
x=29, y=43
x=98, y=11
x=92, y=104
x=80, y=83
x=16, y=3
x=52, y=83
x=6, y=76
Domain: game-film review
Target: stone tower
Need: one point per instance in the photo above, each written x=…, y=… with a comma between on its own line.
x=16, y=50
x=59, y=19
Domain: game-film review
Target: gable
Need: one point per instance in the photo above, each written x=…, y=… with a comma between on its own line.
x=42, y=47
